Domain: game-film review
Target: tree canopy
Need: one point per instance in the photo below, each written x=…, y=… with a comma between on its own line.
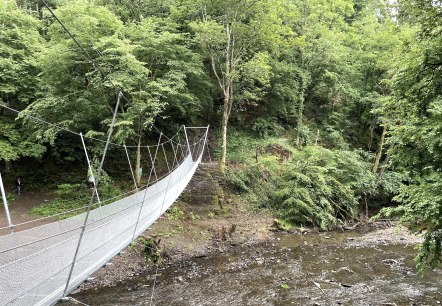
x=334, y=106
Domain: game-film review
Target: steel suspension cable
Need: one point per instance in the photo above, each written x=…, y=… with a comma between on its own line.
x=169, y=139
x=153, y=168
x=161, y=212
x=133, y=177
x=165, y=158
x=89, y=57
x=182, y=170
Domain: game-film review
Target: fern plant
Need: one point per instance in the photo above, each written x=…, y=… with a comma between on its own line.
x=316, y=186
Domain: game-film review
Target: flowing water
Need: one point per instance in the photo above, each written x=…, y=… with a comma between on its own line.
x=293, y=270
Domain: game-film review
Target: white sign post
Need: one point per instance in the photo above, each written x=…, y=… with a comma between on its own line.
x=5, y=203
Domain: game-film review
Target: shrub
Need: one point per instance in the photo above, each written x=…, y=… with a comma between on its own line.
x=316, y=186
x=322, y=186
x=266, y=127
x=421, y=211
x=75, y=196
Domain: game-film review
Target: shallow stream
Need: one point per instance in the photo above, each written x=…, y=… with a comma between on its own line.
x=314, y=269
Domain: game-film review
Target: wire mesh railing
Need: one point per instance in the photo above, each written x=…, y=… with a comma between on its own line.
x=35, y=263
x=38, y=266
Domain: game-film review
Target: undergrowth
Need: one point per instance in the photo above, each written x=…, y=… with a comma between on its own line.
x=313, y=186
x=76, y=196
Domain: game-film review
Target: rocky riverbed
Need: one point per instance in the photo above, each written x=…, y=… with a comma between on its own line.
x=371, y=265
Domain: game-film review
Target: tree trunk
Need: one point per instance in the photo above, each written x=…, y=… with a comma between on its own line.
x=8, y=166
x=317, y=138
x=384, y=167
x=227, y=91
x=225, y=119
x=138, y=163
x=370, y=144
x=379, y=152
x=299, y=124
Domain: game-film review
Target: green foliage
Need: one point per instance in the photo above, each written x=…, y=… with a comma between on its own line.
x=420, y=211
x=325, y=189
x=266, y=127
x=239, y=180
x=315, y=186
x=175, y=213
x=329, y=73
x=20, y=42
x=76, y=197
x=414, y=112
x=70, y=82
x=151, y=250
x=69, y=197
x=285, y=286
x=12, y=143
x=391, y=182
x=10, y=197
x=194, y=216
x=244, y=146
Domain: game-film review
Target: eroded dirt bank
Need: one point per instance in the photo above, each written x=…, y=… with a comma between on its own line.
x=182, y=239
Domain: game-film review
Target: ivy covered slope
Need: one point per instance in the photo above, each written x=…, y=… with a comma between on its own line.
x=322, y=111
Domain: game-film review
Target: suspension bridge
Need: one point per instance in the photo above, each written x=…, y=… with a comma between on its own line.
x=41, y=265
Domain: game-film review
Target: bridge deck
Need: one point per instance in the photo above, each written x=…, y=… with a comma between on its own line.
x=35, y=263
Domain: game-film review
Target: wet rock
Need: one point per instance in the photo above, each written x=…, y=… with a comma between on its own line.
x=390, y=262
x=347, y=269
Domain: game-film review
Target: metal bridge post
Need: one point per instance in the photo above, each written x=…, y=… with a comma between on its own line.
x=147, y=186
x=204, y=144
x=94, y=191
x=5, y=204
x=89, y=166
x=187, y=140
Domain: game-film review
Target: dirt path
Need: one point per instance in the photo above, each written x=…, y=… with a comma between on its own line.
x=20, y=210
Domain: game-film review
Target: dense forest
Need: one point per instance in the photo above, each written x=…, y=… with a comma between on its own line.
x=320, y=110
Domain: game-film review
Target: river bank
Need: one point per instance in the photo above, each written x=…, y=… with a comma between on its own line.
x=369, y=265
x=186, y=231
x=182, y=238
